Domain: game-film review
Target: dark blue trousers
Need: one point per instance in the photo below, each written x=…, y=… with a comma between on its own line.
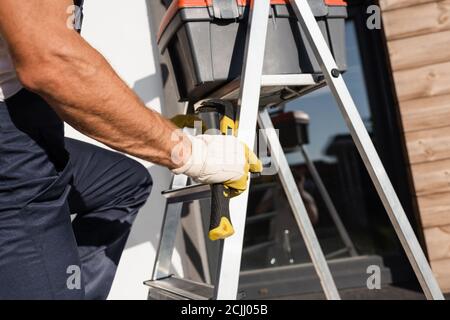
x=44, y=178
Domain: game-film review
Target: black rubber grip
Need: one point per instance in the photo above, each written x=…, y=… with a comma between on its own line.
x=220, y=206
x=215, y=112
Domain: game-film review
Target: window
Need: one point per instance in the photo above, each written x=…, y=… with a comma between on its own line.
x=272, y=236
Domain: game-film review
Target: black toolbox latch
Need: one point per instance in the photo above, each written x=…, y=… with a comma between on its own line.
x=226, y=9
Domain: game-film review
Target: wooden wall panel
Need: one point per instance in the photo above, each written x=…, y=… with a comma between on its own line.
x=417, y=20
x=418, y=34
x=434, y=209
x=432, y=177
x=441, y=270
x=425, y=113
x=415, y=52
x=422, y=82
x=396, y=4
x=428, y=145
x=438, y=240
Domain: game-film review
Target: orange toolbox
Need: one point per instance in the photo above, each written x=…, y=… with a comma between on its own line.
x=206, y=41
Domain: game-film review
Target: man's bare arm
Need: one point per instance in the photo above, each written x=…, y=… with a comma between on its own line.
x=52, y=60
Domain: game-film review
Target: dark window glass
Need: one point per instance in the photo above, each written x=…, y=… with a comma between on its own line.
x=272, y=237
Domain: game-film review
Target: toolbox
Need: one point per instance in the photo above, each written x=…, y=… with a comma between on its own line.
x=206, y=41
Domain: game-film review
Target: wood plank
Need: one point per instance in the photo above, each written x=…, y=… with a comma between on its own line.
x=431, y=177
x=422, y=82
x=428, y=145
x=438, y=242
x=418, y=33
x=434, y=209
x=441, y=269
x=420, y=51
x=417, y=20
x=426, y=113
x=395, y=4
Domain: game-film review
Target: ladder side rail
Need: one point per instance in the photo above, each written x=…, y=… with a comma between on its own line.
x=248, y=104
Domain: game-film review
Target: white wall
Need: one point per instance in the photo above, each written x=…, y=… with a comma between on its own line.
x=122, y=33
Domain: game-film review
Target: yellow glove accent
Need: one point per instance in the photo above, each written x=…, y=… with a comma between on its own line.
x=253, y=165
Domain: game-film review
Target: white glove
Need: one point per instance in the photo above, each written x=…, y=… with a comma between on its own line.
x=220, y=159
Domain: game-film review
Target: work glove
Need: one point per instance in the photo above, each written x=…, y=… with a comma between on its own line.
x=220, y=159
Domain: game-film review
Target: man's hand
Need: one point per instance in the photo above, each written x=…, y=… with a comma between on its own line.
x=220, y=159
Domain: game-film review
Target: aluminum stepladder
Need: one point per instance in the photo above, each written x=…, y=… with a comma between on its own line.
x=250, y=89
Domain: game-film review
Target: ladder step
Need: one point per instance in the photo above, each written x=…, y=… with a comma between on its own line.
x=286, y=80
x=173, y=288
x=189, y=193
x=230, y=91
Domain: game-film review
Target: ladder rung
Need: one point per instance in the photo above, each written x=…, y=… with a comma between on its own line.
x=284, y=80
x=189, y=193
x=173, y=288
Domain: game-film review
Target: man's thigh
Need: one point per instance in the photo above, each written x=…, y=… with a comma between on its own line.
x=106, y=184
x=38, y=252
x=108, y=189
